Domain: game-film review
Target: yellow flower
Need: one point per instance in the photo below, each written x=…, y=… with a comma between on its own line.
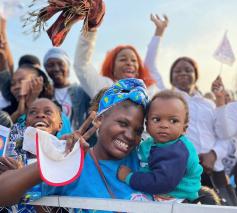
x=106, y=99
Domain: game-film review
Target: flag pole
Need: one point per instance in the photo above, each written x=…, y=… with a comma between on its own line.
x=221, y=68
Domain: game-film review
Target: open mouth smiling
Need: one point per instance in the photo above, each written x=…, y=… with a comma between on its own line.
x=41, y=125
x=121, y=145
x=130, y=71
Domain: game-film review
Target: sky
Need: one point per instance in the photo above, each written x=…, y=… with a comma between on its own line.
x=195, y=29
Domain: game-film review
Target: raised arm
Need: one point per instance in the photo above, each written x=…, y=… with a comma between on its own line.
x=91, y=81
x=151, y=58
x=225, y=123
x=5, y=71
x=5, y=48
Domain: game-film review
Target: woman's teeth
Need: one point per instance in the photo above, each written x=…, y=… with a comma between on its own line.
x=121, y=144
x=129, y=71
x=40, y=124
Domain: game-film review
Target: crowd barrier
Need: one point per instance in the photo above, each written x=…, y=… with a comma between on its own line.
x=130, y=206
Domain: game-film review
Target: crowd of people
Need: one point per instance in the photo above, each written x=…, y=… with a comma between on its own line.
x=144, y=142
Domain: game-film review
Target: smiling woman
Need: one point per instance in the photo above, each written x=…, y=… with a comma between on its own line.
x=120, y=62
x=184, y=74
x=124, y=62
x=122, y=126
x=131, y=69
x=121, y=113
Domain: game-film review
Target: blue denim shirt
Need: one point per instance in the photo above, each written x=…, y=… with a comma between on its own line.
x=80, y=105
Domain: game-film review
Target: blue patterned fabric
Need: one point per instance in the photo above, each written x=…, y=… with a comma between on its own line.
x=125, y=89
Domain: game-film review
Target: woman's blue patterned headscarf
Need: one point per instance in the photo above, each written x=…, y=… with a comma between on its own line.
x=125, y=89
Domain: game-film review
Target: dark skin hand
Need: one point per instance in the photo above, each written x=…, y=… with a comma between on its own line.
x=80, y=136
x=208, y=160
x=7, y=163
x=12, y=188
x=219, y=91
x=83, y=134
x=4, y=47
x=123, y=172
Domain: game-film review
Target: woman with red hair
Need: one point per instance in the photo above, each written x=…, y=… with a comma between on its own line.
x=121, y=62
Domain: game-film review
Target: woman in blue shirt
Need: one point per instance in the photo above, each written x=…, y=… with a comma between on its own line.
x=121, y=112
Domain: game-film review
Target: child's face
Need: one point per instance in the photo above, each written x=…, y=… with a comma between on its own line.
x=43, y=114
x=166, y=119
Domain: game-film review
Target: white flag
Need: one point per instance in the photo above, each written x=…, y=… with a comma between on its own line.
x=224, y=52
x=10, y=8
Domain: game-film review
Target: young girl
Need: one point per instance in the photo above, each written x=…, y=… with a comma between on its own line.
x=42, y=114
x=167, y=159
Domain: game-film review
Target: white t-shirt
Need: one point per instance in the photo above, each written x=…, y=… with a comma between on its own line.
x=63, y=98
x=3, y=102
x=230, y=160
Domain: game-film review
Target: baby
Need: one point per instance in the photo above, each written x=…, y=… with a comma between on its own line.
x=167, y=158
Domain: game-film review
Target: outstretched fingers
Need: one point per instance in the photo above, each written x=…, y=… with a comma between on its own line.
x=92, y=130
x=166, y=19
x=83, y=128
x=83, y=134
x=160, y=24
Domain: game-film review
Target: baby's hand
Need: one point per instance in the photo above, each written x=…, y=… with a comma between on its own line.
x=123, y=172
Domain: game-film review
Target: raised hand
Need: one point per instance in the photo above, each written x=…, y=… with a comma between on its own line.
x=4, y=46
x=218, y=90
x=160, y=24
x=96, y=14
x=83, y=134
x=34, y=87
x=2, y=32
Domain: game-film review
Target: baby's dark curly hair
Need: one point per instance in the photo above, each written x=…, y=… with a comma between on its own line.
x=170, y=94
